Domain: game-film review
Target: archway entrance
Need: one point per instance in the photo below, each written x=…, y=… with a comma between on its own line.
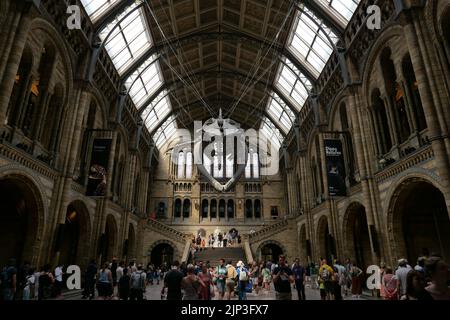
x=131, y=244
x=421, y=221
x=326, y=241
x=109, y=239
x=358, y=241
x=304, y=254
x=162, y=254
x=271, y=252
x=74, y=247
x=18, y=221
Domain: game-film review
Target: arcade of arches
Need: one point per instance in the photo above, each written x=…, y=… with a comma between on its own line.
x=93, y=163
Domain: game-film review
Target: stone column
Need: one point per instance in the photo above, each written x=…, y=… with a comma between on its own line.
x=12, y=64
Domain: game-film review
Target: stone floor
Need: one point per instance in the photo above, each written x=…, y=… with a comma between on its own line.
x=153, y=292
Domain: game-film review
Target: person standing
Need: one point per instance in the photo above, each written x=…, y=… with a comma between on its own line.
x=89, y=282
x=267, y=277
x=58, y=280
x=401, y=275
x=390, y=285
x=9, y=280
x=207, y=291
x=119, y=273
x=28, y=290
x=172, y=281
x=299, y=274
x=124, y=285
x=326, y=278
x=138, y=284
x=220, y=239
x=191, y=284
x=416, y=287
x=282, y=279
x=46, y=281
x=356, y=276
x=221, y=278
x=113, y=269
x=243, y=279
x=231, y=279
x=437, y=270
x=105, y=282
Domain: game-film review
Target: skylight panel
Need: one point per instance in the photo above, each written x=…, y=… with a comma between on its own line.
x=96, y=8
x=156, y=111
x=293, y=84
x=271, y=132
x=165, y=132
x=144, y=81
x=281, y=113
x=310, y=41
x=343, y=8
x=129, y=39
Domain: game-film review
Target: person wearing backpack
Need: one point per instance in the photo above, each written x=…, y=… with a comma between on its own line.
x=325, y=277
x=138, y=284
x=9, y=280
x=243, y=279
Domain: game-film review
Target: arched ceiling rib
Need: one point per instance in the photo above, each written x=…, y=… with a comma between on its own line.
x=266, y=51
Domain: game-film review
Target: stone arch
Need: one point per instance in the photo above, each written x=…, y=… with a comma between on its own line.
x=176, y=254
x=54, y=36
x=401, y=200
x=110, y=238
x=76, y=236
x=271, y=243
x=302, y=239
x=357, y=245
x=131, y=244
x=370, y=63
x=326, y=245
x=32, y=202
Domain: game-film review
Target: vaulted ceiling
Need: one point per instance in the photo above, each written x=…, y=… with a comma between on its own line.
x=183, y=60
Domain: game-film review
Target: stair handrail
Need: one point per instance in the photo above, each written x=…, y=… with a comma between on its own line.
x=168, y=231
x=268, y=230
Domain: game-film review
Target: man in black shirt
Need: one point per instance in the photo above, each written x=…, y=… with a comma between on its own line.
x=282, y=279
x=172, y=281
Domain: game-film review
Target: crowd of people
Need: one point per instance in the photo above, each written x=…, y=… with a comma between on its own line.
x=217, y=240
x=428, y=280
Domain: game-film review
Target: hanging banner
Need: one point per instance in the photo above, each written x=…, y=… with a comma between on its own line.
x=98, y=169
x=335, y=168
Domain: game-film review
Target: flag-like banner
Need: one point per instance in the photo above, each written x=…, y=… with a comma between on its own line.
x=98, y=169
x=335, y=167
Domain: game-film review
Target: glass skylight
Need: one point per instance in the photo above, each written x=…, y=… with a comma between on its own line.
x=96, y=8
x=271, y=132
x=165, y=132
x=310, y=43
x=144, y=81
x=281, y=113
x=157, y=110
x=129, y=38
x=293, y=83
x=344, y=8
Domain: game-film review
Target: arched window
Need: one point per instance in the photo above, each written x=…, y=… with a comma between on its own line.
x=177, y=209
x=161, y=210
x=213, y=209
x=381, y=124
x=413, y=94
x=249, y=209
x=255, y=162
x=230, y=209
x=181, y=163
x=34, y=106
x=205, y=208
x=248, y=167
x=396, y=96
x=189, y=162
x=229, y=166
x=20, y=88
x=257, y=209
x=186, y=208
x=222, y=208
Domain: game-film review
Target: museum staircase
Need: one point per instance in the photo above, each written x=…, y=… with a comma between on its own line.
x=213, y=255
